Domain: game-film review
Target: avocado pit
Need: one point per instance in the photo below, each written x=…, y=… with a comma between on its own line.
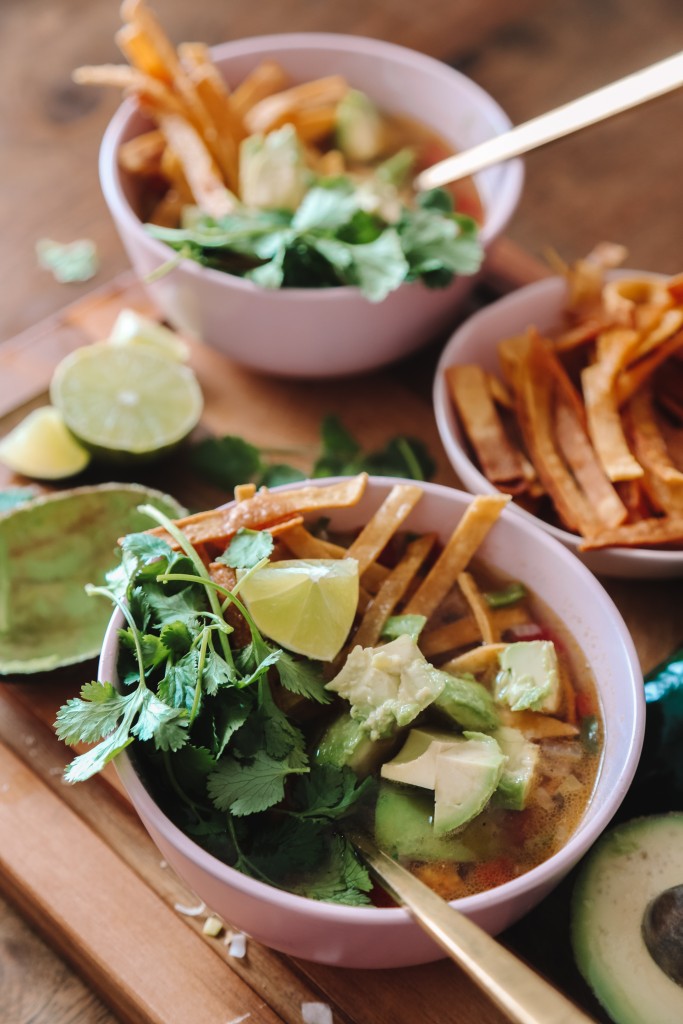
x=662, y=930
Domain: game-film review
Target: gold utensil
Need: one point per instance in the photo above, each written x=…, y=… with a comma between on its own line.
x=621, y=95
x=521, y=994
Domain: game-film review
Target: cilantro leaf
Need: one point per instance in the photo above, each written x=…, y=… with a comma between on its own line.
x=302, y=677
x=226, y=461
x=343, y=879
x=328, y=793
x=93, y=715
x=280, y=473
x=247, y=787
x=179, y=685
x=247, y=548
x=166, y=725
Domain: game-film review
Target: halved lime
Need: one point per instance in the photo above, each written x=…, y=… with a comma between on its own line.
x=126, y=401
x=132, y=328
x=306, y=605
x=42, y=447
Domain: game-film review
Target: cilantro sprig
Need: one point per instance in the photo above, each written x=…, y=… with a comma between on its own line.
x=207, y=719
x=230, y=460
x=332, y=239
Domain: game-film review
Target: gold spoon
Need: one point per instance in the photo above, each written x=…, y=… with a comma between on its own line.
x=621, y=95
x=522, y=995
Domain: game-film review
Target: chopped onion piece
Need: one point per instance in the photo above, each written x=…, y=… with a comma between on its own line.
x=196, y=911
x=316, y=1013
x=237, y=944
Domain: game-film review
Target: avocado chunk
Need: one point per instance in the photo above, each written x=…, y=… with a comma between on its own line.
x=360, y=130
x=415, y=764
x=529, y=677
x=404, y=827
x=346, y=744
x=387, y=686
x=467, y=775
x=626, y=869
x=518, y=774
x=467, y=703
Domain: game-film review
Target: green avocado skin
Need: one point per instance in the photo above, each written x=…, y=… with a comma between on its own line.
x=50, y=548
x=627, y=867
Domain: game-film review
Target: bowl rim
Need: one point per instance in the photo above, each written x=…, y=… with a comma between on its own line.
x=506, y=199
x=545, y=873
x=472, y=476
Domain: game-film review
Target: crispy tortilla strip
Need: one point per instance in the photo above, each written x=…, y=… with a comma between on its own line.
x=244, y=491
x=479, y=517
x=580, y=334
x=500, y=461
x=392, y=591
x=579, y=453
x=168, y=210
x=675, y=287
x=279, y=108
x=315, y=125
x=673, y=438
x=633, y=378
x=622, y=297
x=535, y=404
x=378, y=531
x=135, y=45
x=536, y=726
x=121, y=76
x=203, y=176
x=143, y=154
x=663, y=480
x=615, y=348
x=466, y=631
x=480, y=610
x=266, y=78
x=669, y=323
x=266, y=508
x=479, y=659
x=646, y=533
x=172, y=170
x=605, y=425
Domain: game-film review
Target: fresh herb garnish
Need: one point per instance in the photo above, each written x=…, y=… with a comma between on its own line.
x=208, y=723
x=332, y=239
x=229, y=461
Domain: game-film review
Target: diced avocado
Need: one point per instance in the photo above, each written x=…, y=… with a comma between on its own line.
x=273, y=171
x=415, y=763
x=626, y=869
x=387, y=686
x=404, y=827
x=360, y=128
x=518, y=774
x=529, y=677
x=346, y=744
x=467, y=775
x=397, y=169
x=467, y=702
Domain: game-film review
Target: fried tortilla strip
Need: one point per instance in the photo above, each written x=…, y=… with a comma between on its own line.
x=500, y=461
x=646, y=533
x=581, y=334
x=479, y=659
x=663, y=480
x=675, y=287
x=537, y=726
x=279, y=108
x=135, y=45
x=605, y=425
x=266, y=78
x=121, y=76
x=466, y=631
x=203, y=176
x=143, y=154
x=244, y=491
x=670, y=323
x=579, y=453
x=480, y=610
x=379, y=530
x=673, y=438
x=315, y=125
x=535, y=404
x=623, y=297
x=479, y=517
x=265, y=509
x=630, y=380
x=392, y=591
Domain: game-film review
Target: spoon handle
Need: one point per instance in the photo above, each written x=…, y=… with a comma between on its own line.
x=621, y=95
x=521, y=994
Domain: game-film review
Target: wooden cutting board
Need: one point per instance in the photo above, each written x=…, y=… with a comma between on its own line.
x=76, y=860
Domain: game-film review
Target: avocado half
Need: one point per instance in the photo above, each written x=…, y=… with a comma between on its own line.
x=50, y=547
x=629, y=866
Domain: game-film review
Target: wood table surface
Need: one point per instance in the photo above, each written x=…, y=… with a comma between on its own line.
x=619, y=181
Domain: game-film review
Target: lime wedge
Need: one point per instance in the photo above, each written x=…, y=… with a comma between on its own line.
x=42, y=447
x=132, y=328
x=126, y=401
x=307, y=606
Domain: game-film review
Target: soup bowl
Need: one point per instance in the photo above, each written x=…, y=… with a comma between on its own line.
x=379, y=937
x=318, y=332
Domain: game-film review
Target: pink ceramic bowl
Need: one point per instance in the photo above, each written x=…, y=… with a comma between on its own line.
x=476, y=341
x=320, y=332
x=377, y=938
